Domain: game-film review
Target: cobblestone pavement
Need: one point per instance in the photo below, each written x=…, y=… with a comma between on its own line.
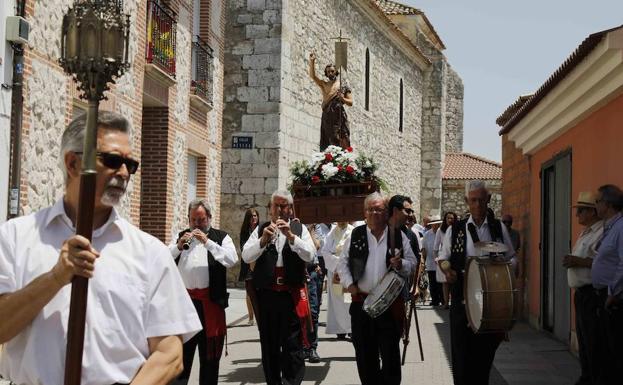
x=529, y=358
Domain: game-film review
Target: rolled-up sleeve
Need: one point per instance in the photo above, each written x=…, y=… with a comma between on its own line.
x=252, y=250
x=446, y=244
x=225, y=253
x=346, y=279
x=409, y=260
x=169, y=310
x=510, y=254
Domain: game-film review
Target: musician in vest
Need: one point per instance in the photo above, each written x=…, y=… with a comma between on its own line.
x=472, y=354
x=280, y=249
x=203, y=254
x=364, y=262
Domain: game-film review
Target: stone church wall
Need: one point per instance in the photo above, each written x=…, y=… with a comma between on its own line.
x=454, y=194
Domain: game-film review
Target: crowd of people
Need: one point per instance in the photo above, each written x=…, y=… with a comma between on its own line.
x=151, y=307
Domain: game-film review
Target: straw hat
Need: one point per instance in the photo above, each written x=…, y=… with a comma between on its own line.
x=435, y=220
x=586, y=199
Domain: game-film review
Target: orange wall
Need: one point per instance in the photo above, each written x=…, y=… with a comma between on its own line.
x=596, y=146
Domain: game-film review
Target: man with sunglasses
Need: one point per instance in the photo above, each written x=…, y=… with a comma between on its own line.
x=138, y=311
x=578, y=265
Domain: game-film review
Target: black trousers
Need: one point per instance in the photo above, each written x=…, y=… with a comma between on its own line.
x=436, y=291
x=609, y=341
x=280, y=338
x=208, y=369
x=472, y=354
x=586, y=324
x=372, y=336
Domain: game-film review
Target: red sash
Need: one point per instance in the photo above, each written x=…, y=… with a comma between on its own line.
x=213, y=322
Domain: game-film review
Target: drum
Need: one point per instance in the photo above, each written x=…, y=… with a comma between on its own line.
x=490, y=295
x=384, y=294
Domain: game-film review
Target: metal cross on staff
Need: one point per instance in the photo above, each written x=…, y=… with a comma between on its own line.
x=94, y=49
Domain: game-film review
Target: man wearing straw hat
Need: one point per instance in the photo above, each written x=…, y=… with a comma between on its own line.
x=578, y=265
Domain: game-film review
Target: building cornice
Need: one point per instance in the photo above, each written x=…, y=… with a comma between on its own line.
x=390, y=30
x=590, y=85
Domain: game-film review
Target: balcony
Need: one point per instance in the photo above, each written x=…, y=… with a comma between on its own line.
x=161, y=29
x=202, y=71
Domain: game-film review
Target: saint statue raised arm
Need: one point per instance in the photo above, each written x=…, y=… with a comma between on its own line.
x=334, y=128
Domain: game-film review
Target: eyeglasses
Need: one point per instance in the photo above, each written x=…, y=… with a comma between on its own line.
x=408, y=211
x=507, y=223
x=375, y=211
x=115, y=161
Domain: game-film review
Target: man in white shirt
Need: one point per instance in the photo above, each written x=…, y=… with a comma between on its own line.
x=138, y=313
x=203, y=254
x=366, y=258
x=472, y=354
x=428, y=254
x=280, y=249
x=578, y=266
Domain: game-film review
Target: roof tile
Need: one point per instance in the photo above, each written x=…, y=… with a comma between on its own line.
x=468, y=166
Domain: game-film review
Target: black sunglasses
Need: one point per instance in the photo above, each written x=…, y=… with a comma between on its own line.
x=115, y=161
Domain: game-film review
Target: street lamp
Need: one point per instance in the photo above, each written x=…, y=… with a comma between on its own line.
x=94, y=49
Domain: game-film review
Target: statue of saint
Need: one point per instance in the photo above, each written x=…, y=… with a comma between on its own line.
x=334, y=127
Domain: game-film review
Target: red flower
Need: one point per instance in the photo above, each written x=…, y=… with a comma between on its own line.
x=315, y=179
x=328, y=157
x=350, y=169
x=349, y=149
x=339, y=167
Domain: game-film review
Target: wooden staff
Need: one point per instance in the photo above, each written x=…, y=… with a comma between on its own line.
x=84, y=227
x=412, y=313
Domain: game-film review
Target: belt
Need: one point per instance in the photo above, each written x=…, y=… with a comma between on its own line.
x=585, y=288
x=280, y=283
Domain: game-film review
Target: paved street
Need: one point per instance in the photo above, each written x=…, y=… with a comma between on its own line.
x=530, y=358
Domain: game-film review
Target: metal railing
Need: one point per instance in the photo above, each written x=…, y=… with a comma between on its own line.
x=202, y=67
x=161, y=30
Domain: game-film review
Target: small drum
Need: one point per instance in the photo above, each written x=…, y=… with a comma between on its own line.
x=490, y=295
x=384, y=294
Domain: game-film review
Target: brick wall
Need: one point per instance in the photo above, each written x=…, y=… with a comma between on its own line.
x=516, y=201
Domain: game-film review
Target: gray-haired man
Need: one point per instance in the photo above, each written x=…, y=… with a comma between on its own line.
x=203, y=254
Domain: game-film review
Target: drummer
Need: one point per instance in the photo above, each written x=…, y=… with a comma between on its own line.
x=365, y=261
x=472, y=354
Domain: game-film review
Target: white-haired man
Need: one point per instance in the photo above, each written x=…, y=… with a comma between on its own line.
x=203, y=254
x=280, y=249
x=472, y=354
x=366, y=258
x=138, y=311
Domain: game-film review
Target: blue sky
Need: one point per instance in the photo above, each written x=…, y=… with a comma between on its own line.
x=503, y=49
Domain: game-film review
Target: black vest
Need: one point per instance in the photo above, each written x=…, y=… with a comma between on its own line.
x=358, y=251
x=216, y=271
x=458, y=251
x=264, y=271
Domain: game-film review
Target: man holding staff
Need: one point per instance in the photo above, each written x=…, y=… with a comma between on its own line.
x=138, y=313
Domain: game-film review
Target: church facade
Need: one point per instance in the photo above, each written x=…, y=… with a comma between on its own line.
x=408, y=101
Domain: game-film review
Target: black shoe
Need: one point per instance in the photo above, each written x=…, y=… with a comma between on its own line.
x=313, y=357
x=341, y=336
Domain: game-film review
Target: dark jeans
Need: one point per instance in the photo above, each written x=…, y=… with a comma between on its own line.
x=314, y=288
x=586, y=325
x=609, y=341
x=280, y=338
x=472, y=354
x=372, y=337
x=208, y=369
x=436, y=291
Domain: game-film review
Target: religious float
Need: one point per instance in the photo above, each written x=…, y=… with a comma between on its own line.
x=332, y=185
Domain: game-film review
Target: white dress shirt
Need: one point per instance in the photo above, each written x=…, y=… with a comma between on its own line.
x=375, y=265
x=193, y=263
x=585, y=247
x=135, y=293
x=334, y=245
x=484, y=235
x=303, y=246
x=428, y=244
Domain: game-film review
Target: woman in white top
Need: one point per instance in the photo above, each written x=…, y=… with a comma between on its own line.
x=448, y=219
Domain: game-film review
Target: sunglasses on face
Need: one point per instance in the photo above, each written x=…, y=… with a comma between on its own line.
x=115, y=161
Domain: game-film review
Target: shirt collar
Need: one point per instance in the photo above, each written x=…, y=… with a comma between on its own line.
x=58, y=211
x=608, y=224
x=471, y=220
x=594, y=227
